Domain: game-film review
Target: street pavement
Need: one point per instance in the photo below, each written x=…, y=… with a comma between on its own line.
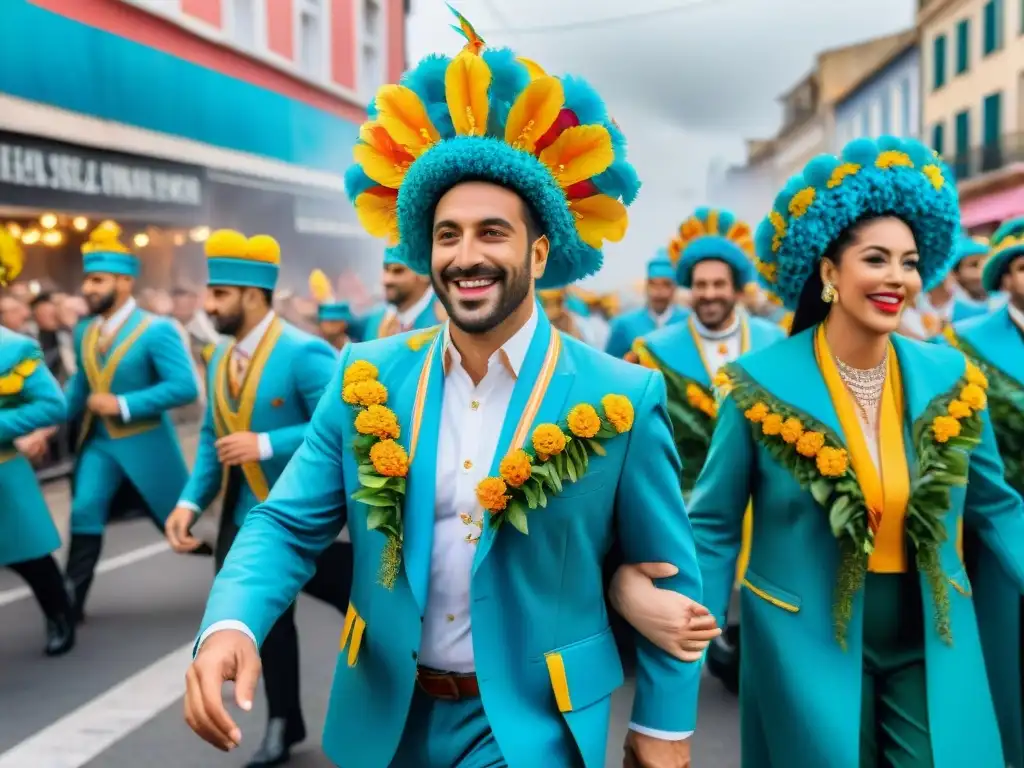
x=115, y=701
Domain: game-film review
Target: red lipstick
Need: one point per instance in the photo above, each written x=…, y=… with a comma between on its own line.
x=887, y=302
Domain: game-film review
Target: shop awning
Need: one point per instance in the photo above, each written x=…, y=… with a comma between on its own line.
x=994, y=208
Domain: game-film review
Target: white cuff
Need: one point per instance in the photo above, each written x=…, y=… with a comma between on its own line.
x=654, y=734
x=217, y=626
x=126, y=415
x=266, y=448
x=189, y=505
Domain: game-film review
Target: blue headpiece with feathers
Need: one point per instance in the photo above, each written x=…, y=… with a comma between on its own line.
x=888, y=176
x=1007, y=244
x=713, y=234
x=486, y=115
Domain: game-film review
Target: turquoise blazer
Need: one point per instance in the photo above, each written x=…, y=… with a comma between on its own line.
x=537, y=599
x=800, y=693
x=33, y=400
x=287, y=375
x=147, y=364
x=999, y=344
x=965, y=309
x=627, y=328
x=369, y=326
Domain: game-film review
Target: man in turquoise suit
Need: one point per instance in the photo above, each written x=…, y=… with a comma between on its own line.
x=995, y=343
x=31, y=403
x=485, y=469
x=659, y=311
x=132, y=369
x=264, y=386
x=411, y=304
x=948, y=303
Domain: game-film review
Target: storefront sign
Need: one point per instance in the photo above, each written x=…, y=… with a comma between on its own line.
x=35, y=173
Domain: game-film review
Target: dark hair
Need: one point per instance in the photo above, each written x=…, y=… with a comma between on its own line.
x=534, y=223
x=41, y=298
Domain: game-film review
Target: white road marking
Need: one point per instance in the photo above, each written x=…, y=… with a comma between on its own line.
x=105, y=566
x=79, y=737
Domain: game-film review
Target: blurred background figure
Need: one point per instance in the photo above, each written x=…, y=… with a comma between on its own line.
x=14, y=313
x=555, y=302
x=333, y=317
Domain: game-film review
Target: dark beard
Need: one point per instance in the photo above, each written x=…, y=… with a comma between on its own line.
x=228, y=325
x=102, y=304
x=514, y=290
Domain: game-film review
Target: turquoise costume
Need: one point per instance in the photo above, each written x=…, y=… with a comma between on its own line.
x=382, y=321
x=861, y=643
x=1007, y=244
x=551, y=662
x=30, y=399
x=630, y=326
x=966, y=307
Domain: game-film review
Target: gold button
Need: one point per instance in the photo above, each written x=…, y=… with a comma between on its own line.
x=467, y=464
x=475, y=405
x=451, y=617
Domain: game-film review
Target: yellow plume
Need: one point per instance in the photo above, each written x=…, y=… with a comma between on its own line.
x=105, y=238
x=12, y=258
x=320, y=287
x=466, y=82
x=402, y=114
x=263, y=248
x=534, y=112
x=226, y=243
x=535, y=69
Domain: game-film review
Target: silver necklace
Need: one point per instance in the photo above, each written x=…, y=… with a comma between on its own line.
x=865, y=385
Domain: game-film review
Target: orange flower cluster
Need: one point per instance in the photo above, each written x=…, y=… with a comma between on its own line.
x=831, y=462
x=972, y=399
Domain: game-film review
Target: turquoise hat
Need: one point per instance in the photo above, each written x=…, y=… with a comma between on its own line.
x=713, y=234
x=1006, y=244
x=393, y=256
x=486, y=115
x=104, y=253
x=235, y=260
x=969, y=246
x=660, y=267
x=888, y=176
x=335, y=311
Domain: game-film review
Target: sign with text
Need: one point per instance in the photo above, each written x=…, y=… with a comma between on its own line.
x=37, y=173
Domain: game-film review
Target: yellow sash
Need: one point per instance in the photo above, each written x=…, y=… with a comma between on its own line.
x=228, y=421
x=887, y=493
x=101, y=377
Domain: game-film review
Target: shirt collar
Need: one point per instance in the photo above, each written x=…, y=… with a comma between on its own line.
x=662, y=318
x=247, y=345
x=706, y=333
x=407, y=317
x=116, y=319
x=1016, y=315
x=512, y=354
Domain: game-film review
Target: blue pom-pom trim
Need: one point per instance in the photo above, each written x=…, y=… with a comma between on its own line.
x=718, y=248
x=466, y=158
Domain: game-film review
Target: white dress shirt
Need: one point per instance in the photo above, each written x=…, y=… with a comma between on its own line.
x=407, y=317
x=914, y=317
x=243, y=351
x=719, y=347
x=111, y=325
x=661, y=320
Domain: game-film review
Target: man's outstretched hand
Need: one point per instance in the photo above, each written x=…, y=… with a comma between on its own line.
x=224, y=655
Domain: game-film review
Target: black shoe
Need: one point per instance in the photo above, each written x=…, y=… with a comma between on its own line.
x=82, y=559
x=277, y=742
x=60, y=635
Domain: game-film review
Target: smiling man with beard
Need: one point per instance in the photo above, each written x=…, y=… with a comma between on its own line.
x=486, y=467
x=411, y=304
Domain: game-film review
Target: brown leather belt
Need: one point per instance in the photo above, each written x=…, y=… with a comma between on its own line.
x=447, y=686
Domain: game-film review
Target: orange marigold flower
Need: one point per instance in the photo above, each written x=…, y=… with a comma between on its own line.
x=832, y=462
x=389, y=459
x=379, y=421
x=772, y=424
x=757, y=413
x=958, y=409
x=708, y=407
x=492, y=493
x=515, y=468
x=548, y=440
x=791, y=430
x=974, y=396
x=721, y=380
x=584, y=421
x=618, y=410
x=975, y=376
x=360, y=370
x=365, y=393
x=945, y=427
x=694, y=395
x=809, y=444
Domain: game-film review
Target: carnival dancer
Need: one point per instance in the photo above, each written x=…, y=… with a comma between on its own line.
x=659, y=310
x=995, y=343
x=132, y=369
x=411, y=303
x=264, y=386
x=333, y=317
x=948, y=302
x=460, y=581
x=861, y=645
x=31, y=402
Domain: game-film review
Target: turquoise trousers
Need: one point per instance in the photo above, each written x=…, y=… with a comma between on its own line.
x=447, y=734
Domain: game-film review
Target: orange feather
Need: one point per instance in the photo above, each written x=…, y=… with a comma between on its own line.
x=579, y=153
x=534, y=112
x=466, y=82
x=401, y=113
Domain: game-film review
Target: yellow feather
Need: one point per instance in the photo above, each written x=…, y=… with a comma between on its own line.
x=401, y=113
x=599, y=218
x=534, y=112
x=535, y=69
x=12, y=257
x=466, y=82
x=578, y=154
x=377, y=210
x=320, y=287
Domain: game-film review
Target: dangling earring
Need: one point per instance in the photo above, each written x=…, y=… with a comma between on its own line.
x=829, y=294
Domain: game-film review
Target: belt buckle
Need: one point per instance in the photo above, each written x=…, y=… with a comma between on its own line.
x=447, y=681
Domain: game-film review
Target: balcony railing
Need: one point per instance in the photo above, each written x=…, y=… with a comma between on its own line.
x=1009, y=149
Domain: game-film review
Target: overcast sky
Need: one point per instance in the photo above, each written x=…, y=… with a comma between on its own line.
x=687, y=80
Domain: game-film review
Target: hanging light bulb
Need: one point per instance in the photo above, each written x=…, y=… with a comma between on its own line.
x=48, y=220
x=30, y=236
x=200, y=234
x=14, y=229
x=80, y=223
x=52, y=238
x=141, y=240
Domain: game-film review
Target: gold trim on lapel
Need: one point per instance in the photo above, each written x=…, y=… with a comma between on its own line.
x=744, y=342
x=229, y=421
x=421, y=398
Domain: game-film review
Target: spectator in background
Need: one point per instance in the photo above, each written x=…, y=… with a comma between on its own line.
x=54, y=339
x=71, y=310
x=14, y=313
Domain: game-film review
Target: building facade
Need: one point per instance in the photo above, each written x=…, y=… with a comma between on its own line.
x=886, y=102
x=972, y=80
x=175, y=117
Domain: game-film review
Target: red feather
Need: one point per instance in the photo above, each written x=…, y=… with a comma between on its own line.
x=566, y=119
x=585, y=188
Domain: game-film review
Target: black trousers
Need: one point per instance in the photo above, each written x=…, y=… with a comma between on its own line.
x=330, y=583
x=47, y=584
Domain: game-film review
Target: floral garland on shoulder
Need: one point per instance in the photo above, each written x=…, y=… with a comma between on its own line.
x=815, y=456
x=383, y=463
x=14, y=380
x=692, y=409
x=1005, y=407
x=560, y=455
